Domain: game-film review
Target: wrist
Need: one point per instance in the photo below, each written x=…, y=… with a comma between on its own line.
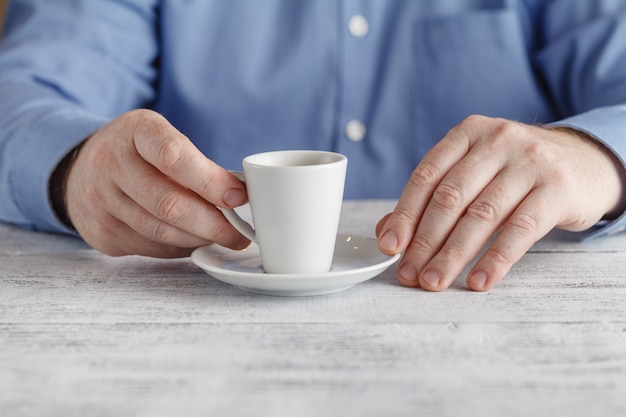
x=615, y=170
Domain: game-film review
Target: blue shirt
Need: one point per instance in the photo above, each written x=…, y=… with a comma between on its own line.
x=380, y=81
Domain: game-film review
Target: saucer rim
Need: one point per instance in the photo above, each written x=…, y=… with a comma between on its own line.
x=388, y=261
x=294, y=284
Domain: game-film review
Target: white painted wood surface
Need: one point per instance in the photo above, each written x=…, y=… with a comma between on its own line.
x=83, y=334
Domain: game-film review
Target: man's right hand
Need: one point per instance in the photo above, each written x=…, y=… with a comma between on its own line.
x=139, y=186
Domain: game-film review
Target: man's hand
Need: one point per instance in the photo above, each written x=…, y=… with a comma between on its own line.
x=489, y=176
x=138, y=186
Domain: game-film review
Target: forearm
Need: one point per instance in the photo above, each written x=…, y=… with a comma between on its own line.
x=66, y=69
x=39, y=129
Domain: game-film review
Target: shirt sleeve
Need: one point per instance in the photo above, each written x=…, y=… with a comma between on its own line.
x=67, y=67
x=583, y=62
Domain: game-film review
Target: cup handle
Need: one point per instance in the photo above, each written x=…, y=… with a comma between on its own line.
x=238, y=223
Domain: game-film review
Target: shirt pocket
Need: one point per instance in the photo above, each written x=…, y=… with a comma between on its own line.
x=475, y=63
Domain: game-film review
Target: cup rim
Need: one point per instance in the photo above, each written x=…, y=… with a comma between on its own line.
x=305, y=158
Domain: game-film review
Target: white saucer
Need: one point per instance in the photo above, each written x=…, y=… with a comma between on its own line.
x=356, y=259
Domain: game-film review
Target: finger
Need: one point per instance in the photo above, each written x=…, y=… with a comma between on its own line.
x=175, y=210
x=114, y=238
x=532, y=220
x=150, y=227
x=482, y=219
x=381, y=224
x=451, y=198
x=398, y=230
x=127, y=241
x=173, y=154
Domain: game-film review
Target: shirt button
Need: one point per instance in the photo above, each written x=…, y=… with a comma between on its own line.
x=358, y=26
x=355, y=130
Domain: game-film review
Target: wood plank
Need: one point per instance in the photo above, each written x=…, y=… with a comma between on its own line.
x=87, y=287
x=312, y=369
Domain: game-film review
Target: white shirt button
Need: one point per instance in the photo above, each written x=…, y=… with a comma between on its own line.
x=355, y=130
x=358, y=26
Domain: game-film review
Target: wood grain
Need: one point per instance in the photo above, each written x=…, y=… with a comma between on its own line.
x=83, y=334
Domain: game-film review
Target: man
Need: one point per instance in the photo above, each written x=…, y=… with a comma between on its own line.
x=119, y=119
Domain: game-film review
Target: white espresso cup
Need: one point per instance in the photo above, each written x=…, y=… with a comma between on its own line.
x=295, y=198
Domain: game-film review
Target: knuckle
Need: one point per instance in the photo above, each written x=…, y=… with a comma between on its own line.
x=479, y=119
x=208, y=181
x=470, y=124
x=163, y=232
x=156, y=137
x=524, y=225
x=139, y=115
x=504, y=136
x=101, y=155
x=536, y=151
x=509, y=130
x=448, y=197
x=404, y=214
x=94, y=194
x=170, y=155
x=473, y=120
x=453, y=253
x=564, y=177
x=171, y=207
x=423, y=246
x=499, y=255
x=146, y=121
x=483, y=211
x=424, y=175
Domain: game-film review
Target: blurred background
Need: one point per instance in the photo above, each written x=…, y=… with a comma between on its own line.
x=3, y=6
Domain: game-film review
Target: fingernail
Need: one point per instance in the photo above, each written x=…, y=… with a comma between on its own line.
x=408, y=273
x=477, y=280
x=233, y=197
x=431, y=278
x=389, y=241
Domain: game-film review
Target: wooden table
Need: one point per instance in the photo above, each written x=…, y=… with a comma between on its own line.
x=83, y=334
